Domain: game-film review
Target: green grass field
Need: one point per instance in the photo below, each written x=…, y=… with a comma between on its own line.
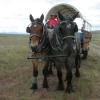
x=16, y=74
x=96, y=39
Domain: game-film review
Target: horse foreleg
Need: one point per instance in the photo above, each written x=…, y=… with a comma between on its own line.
x=45, y=74
x=50, y=65
x=35, y=74
x=59, y=75
x=77, y=62
x=69, y=76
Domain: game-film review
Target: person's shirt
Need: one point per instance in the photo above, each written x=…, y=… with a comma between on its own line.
x=52, y=22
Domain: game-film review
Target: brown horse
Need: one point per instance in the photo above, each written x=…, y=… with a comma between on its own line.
x=38, y=46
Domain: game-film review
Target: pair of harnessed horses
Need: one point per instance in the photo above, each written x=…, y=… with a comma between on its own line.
x=62, y=46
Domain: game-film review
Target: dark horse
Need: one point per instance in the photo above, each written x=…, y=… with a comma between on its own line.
x=64, y=42
x=38, y=45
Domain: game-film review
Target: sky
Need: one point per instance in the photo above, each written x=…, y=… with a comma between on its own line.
x=14, y=14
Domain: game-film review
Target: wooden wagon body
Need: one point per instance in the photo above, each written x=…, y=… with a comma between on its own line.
x=85, y=45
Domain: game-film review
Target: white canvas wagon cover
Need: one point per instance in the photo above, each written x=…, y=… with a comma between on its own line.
x=65, y=9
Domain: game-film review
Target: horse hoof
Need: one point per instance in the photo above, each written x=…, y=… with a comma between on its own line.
x=34, y=87
x=50, y=74
x=60, y=88
x=45, y=86
x=77, y=75
x=69, y=90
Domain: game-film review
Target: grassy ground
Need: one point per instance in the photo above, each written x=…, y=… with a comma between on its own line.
x=16, y=74
x=96, y=39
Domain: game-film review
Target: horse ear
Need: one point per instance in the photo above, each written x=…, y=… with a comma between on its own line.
x=42, y=17
x=61, y=17
x=28, y=30
x=31, y=18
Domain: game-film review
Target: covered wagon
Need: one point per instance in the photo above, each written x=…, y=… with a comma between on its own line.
x=84, y=33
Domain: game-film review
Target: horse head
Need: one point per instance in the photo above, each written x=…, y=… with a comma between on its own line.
x=66, y=25
x=36, y=30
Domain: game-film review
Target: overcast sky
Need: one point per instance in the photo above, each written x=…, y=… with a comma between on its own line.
x=14, y=14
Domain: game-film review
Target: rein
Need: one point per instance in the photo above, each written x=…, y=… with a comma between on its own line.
x=34, y=35
x=69, y=37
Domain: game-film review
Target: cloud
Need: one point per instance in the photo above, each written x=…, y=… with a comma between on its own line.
x=14, y=14
x=89, y=9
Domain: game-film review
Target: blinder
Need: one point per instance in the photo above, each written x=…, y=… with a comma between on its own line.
x=28, y=30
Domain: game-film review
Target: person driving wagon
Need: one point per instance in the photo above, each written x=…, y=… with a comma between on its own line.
x=52, y=21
